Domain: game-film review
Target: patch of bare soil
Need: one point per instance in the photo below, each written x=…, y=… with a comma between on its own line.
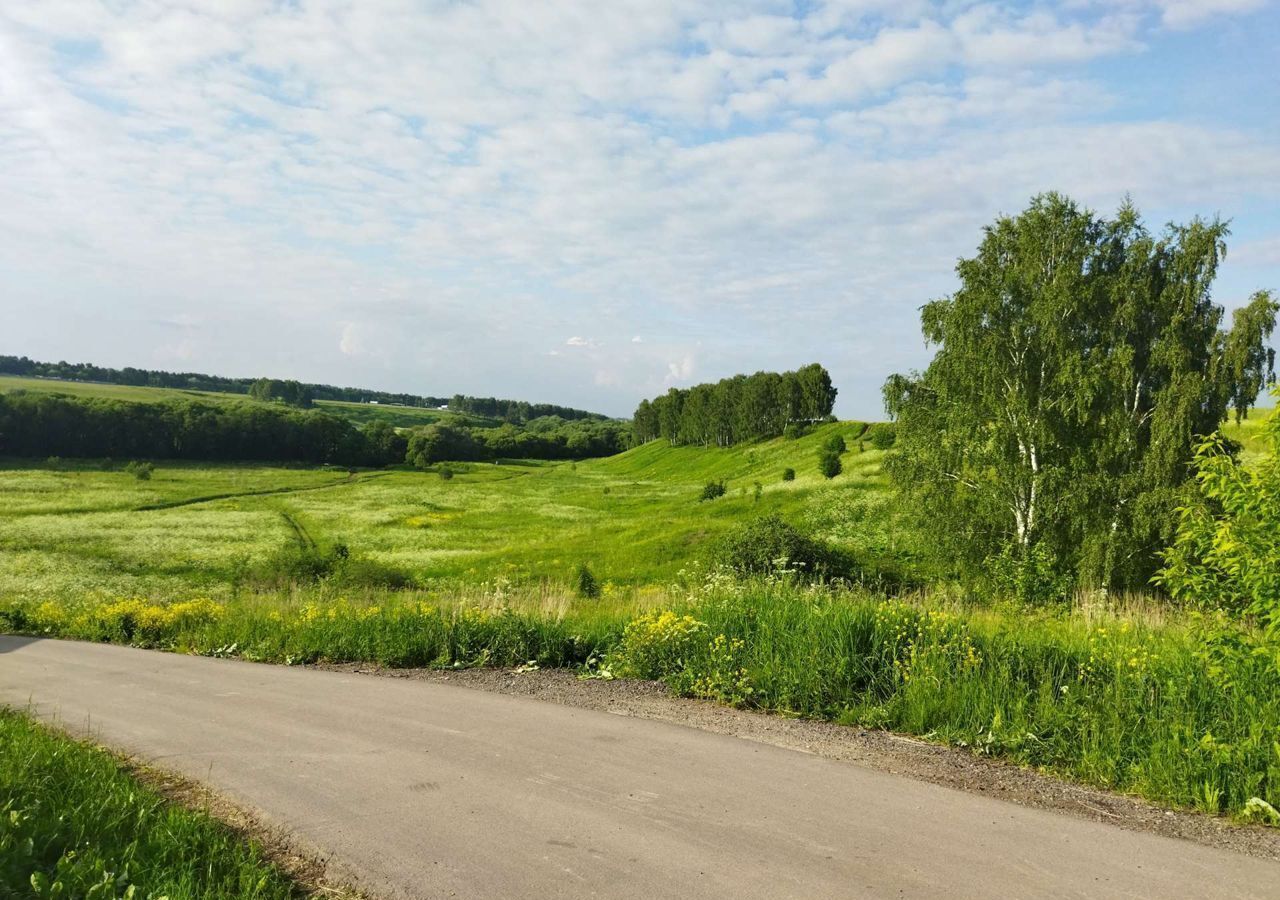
x=882, y=750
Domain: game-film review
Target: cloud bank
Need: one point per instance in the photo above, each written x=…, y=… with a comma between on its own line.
x=451, y=188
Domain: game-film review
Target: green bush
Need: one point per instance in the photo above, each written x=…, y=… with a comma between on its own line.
x=834, y=444
x=585, y=583
x=1226, y=551
x=1029, y=576
x=795, y=430
x=446, y=473
x=788, y=474
x=140, y=470
x=829, y=464
x=882, y=435
x=297, y=564
x=711, y=490
x=767, y=544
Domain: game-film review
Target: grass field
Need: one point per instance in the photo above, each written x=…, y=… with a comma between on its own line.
x=360, y=413
x=75, y=824
x=76, y=531
x=1127, y=694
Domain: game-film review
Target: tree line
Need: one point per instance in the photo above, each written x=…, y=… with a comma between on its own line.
x=293, y=393
x=516, y=412
x=39, y=425
x=196, y=381
x=1051, y=440
x=548, y=437
x=741, y=408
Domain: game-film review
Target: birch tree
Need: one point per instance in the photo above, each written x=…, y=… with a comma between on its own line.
x=1077, y=366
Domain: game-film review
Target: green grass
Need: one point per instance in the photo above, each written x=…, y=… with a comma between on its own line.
x=1149, y=700
x=71, y=533
x=360, y=413
x=73, y=823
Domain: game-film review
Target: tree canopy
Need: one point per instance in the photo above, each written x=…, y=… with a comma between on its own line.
x=741, y=408
x=1076, y=368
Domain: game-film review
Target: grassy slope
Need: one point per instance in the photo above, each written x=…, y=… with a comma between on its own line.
x=360, y=413
x=77, y=825
x=634, y=518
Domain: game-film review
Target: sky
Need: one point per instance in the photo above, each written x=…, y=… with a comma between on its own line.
x=581, y=202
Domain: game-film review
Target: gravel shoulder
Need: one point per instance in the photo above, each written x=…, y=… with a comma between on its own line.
x=879, y=750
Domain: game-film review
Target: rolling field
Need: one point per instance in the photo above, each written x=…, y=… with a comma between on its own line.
x=406, y=568
x=359, y=413
x=634, y=519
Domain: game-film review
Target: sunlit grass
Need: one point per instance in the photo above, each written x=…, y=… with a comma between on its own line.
x=76, y=825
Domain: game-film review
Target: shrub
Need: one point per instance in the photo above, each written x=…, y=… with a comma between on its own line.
x=140, y=470
x=829, y=464
x=1226, y=549
x=446, y=473
x=757, y=492
x=768, y=544
x=1028, y=576
x=295, y=564
x=794, y=430
x=711, y=490
x=834, y=444
x=882, y=435
x=585, y=583
x=788, y=474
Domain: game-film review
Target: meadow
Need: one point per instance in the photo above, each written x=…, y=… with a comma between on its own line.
x=409, y=568
x=359, y=413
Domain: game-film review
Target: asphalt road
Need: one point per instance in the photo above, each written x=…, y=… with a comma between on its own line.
x=429, y=790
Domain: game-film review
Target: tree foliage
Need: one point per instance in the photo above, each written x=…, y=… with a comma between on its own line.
x=1226, y=552
x=741, y=408
x=291, y=393
x=1077, y=365
x=37, y=425
x=548, y=437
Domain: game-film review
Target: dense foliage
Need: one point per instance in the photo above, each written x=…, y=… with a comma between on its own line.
x=545, y=438
x=291, y=393
x=769, y=545
x=1076, y=366
x=1226, y=554
x=741, y=408
x=516, y=412
x=44, y=425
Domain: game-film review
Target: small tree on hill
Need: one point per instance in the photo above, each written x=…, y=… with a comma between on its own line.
x=829, y=464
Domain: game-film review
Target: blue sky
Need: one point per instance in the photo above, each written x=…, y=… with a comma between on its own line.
x=588, y=203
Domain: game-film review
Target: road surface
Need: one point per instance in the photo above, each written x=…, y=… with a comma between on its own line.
x=429, y=790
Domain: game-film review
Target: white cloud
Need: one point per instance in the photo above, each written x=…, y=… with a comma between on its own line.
x=1182, y=14
x=464, y=185
x=350, y=343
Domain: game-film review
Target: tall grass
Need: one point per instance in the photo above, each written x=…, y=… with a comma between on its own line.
x=73, y=824
x=1185, y=711
x=1186, y=714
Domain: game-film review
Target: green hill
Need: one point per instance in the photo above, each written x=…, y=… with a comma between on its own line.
x=360, y=413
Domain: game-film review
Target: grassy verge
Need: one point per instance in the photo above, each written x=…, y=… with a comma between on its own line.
x=73, y=824
x=1180, y=710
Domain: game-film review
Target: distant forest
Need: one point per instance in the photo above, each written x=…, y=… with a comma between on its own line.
x=38, y=425
x=292, y=392
x=741, y=408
